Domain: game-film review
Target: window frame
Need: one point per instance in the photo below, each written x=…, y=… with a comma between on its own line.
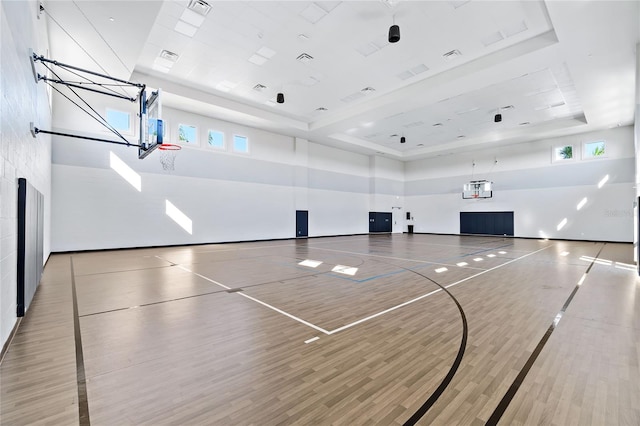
x=586, y=155
x=233, y=146
x=557, y=148
x=195, y=142
x=224, y=140
x=132, y=127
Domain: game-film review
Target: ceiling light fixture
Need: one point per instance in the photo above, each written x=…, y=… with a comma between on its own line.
x=498, y=117
x=394, y=32
x=403, y=139
x=280, y=98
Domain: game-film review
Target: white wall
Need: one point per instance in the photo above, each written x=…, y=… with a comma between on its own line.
x=228, y=196
x=541, y=193
x=21, y=155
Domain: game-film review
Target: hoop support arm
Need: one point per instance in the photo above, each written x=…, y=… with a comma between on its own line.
x=69, y=135
x=60, y=64
x=78, y=86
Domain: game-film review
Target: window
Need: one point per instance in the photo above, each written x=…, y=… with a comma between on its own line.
x=216, y=139
x=187, y=134
x=120, y=120
x=240, y=144
x=563, y=153
x=594, y=149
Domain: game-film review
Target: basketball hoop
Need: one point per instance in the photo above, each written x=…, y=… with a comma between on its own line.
x=168, y=152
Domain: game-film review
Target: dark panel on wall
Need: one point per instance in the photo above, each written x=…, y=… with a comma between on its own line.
x=380, y=222
x=487, y=223
x=302, y=223
x=30, y=244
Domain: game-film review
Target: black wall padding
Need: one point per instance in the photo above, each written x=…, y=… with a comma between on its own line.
x=30, y=243
x=380, y=221
x=486, y=223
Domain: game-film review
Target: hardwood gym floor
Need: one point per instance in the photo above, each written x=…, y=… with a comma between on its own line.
x=527, y=332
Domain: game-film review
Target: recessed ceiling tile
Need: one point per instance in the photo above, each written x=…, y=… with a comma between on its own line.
x=327, y=6
x=266, y=52
x=418, y=69
x=186, y=29
x=257, y=59
x=515, y=28
x=367, y=49
x=159, y=67
x=191, y=17
x=405, y=75
x=313, y=13
x=492, y=38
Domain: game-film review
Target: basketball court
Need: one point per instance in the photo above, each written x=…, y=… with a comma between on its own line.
x=196, y=179
x=345, y=330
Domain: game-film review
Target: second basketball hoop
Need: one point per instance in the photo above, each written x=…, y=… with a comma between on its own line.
x=168, y=152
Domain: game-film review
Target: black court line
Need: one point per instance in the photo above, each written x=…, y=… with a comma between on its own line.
x=124, y=270
x=156, y=303
x=83, y=400
x=454, y=367
x=517, y=382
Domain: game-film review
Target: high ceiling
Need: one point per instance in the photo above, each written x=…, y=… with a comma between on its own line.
x=549, y=68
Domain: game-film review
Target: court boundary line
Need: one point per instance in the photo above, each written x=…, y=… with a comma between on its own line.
x=84, y=418
x=504, y=403
x=273, y=308
x=345, y=327
x=370, y=317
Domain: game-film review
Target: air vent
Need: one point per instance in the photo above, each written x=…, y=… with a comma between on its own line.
x=452, y=54
x=305, y=58
x=367, y=90
x=395, y=135
x=524, y=123
x=437, y=125
x=259, y=87
x=418, y=69
x=200, y=6
x=169, y=56
x=353, y=97
x=321, y=109
x=414, y=124
x=461, y=137
x=508, y=107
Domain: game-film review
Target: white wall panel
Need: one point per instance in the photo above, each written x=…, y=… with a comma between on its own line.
x=22, y=101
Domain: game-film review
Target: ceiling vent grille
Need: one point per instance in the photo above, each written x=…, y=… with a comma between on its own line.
x=200, y=6
x=259, y=87
x=169, y=56
x=305, y=58
x=368, y=90
x=452, y=54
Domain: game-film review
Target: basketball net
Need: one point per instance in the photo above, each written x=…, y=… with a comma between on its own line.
x=168, y=154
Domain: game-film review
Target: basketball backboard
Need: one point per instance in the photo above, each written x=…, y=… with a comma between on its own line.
x=477, y=189
x=151, y=124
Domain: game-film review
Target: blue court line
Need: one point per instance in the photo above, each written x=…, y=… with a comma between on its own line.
x=424, y=265
x=387, y=274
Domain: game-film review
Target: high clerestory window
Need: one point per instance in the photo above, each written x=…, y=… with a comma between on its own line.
x=240, y=144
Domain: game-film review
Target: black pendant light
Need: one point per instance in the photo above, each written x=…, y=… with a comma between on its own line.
x=280, y=98
x=394, y=34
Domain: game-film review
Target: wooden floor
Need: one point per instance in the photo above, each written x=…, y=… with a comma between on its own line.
x=546, y=333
